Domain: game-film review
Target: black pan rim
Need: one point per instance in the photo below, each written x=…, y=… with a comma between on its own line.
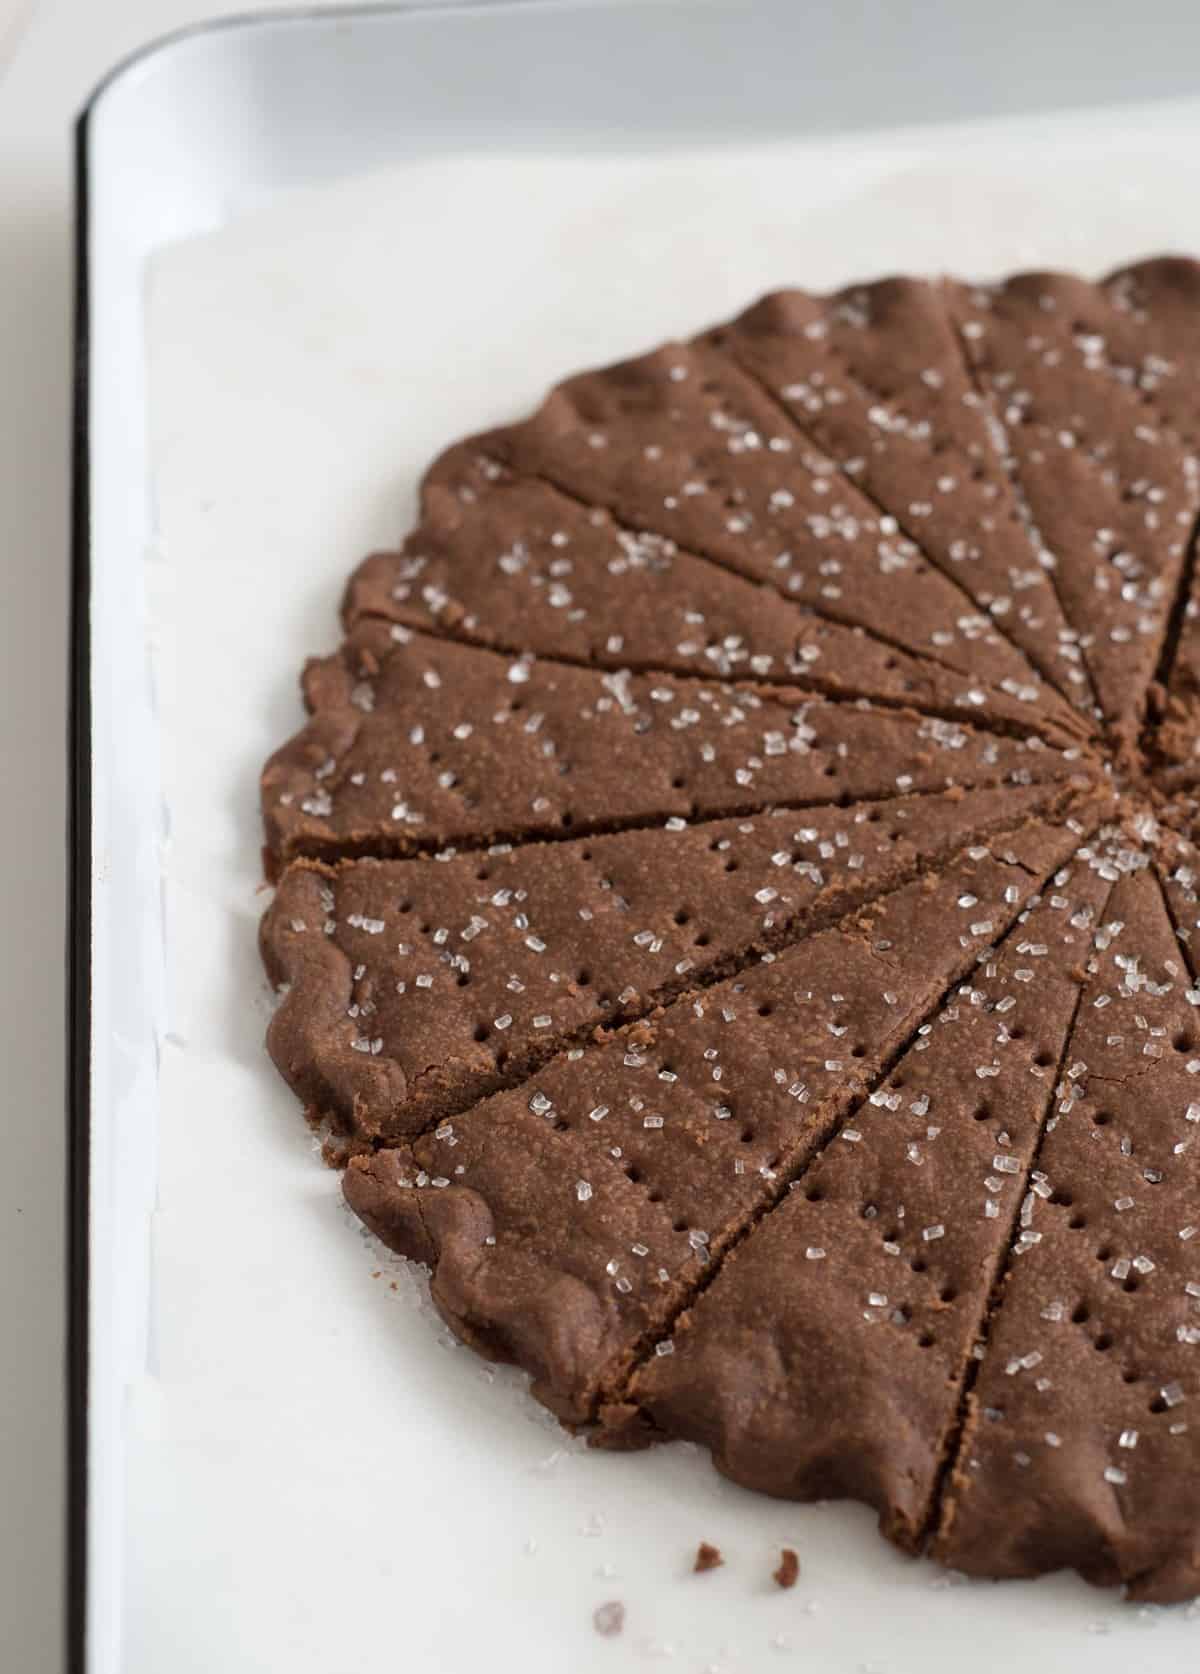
x=79, y=922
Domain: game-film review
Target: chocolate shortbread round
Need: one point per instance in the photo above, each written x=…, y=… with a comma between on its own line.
x=736, y=906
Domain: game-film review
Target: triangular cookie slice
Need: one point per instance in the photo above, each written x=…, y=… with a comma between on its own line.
x=421, y=742
x=513, y=564
x=1147, y=336
x=683, y=443
x=1080, y=1445
x=827, y=1359
x=876, y=377
x=415, y=987
x=567, y=1220
x=1112, y=495
x=1149, y=340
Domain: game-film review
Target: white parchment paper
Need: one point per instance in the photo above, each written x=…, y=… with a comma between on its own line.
x=319, y=1482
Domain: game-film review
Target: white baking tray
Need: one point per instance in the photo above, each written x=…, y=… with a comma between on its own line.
x=361, y=236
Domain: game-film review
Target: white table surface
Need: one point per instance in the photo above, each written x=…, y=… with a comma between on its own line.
x=52, y=53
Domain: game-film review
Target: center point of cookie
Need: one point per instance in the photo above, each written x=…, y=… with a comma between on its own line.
x=1154, y=783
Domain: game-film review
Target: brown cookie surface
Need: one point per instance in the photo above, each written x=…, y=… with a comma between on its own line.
x=737, y=900
x=418, y=742
x=418, y=986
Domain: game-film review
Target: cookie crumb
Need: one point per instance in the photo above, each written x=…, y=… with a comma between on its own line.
x=608, y=1619
x=707, y=1557
x=789, y=1568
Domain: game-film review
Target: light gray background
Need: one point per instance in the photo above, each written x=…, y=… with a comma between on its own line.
x=52, y=52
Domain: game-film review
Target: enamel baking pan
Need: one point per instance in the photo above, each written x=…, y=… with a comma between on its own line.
x=504, y=1552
